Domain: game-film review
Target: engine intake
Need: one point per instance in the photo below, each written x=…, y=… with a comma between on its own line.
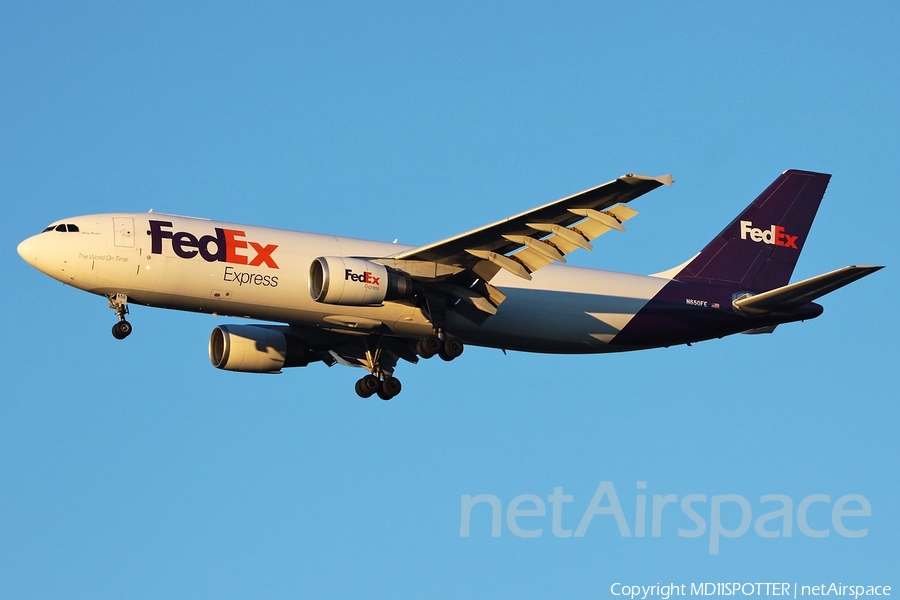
x=355, y=282
x=255, y=349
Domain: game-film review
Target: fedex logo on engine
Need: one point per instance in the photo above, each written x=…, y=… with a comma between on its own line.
x=774, y=235
x=366, y=277
x=225, y=246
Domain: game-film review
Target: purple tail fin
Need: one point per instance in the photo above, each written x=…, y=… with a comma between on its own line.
x=758, y=250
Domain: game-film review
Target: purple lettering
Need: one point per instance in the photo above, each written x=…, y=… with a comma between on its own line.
x=157, y=235
x=182, y=240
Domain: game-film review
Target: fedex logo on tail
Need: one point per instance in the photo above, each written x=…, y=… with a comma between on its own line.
x=225, y=246
x=774, y=235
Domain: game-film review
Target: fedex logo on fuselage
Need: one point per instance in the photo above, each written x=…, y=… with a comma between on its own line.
x=225, y=246
x=774, y=235
x=364, y=277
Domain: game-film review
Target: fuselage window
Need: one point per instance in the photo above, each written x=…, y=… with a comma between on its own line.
x=60, y=227
x=71, y=227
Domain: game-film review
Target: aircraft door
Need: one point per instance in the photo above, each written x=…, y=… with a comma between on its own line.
x=123, y=228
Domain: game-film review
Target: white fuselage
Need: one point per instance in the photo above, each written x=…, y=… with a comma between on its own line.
x=264, y=275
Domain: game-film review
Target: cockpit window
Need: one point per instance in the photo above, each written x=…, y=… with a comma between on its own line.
x=70, y=227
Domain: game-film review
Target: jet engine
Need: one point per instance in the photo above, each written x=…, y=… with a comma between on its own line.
x=255, y=349
x=355, y=282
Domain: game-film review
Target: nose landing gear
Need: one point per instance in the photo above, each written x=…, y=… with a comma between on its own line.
x=123, y=328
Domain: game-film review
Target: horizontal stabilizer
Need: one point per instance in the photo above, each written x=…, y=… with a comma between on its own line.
x=797, y=294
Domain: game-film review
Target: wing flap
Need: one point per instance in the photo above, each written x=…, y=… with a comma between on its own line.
x=502, y=261
x=532, y=260
x=564, y=240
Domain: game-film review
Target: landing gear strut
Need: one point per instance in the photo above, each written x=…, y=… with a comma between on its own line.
x=447, y=348
x=123, y=328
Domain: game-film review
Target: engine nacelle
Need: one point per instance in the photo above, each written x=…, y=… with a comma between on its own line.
x=355, y=282
x=255, y=349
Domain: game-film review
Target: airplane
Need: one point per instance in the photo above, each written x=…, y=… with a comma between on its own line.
x=369, y=304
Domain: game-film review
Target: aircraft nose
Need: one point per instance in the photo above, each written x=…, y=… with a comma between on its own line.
x=28, y=250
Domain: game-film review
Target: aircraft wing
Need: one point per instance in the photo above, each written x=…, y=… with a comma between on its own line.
x=535, y=238
x=461, y=267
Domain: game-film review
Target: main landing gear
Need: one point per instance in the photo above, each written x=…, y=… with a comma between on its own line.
x=386, y=388
x=381, y=380
x=383, y=383
x=123, y=328
x=447, y=348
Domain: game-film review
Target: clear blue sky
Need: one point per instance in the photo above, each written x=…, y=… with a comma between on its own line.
x=135, y=469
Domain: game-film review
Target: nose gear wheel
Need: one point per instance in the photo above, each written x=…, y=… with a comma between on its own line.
x=121, y=330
